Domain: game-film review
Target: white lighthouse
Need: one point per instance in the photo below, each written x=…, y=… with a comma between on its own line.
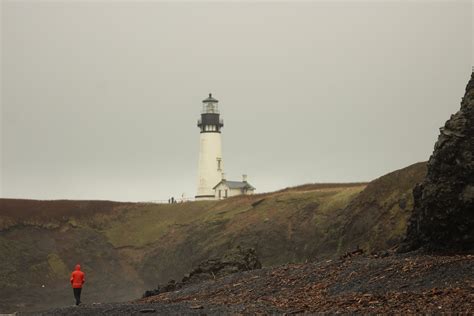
x=211, y=165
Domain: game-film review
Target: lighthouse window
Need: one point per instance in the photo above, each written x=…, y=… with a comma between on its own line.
x=210, y=108
x=219, y=164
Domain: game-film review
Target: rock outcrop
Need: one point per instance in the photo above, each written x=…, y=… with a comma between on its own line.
x=443, y=215
x=235, y=260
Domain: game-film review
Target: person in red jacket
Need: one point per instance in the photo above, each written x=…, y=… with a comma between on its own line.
x=77, y=280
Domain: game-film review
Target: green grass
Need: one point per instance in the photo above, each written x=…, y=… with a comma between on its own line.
x=57, y=266
x=147, y=224
x=139, y=226
x=340, y=199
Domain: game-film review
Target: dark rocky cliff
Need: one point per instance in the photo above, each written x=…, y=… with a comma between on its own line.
x=443, y=216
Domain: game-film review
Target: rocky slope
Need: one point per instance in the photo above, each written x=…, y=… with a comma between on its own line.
x=368, y=284
x=233, y=261
x=149, y=244
x=443, y=216
x=411, y=283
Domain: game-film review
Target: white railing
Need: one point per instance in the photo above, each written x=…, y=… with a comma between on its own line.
x=180, y=200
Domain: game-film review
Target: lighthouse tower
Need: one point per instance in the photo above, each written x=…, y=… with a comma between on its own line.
x=210, y=152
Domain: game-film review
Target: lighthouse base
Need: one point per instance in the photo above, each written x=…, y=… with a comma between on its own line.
x=204, y=197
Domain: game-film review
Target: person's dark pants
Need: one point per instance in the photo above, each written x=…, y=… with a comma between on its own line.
x=77, y=295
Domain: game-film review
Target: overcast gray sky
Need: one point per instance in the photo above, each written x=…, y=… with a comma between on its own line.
x=100, y=99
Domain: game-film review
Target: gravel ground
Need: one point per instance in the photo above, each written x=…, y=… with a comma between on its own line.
x=396, y=283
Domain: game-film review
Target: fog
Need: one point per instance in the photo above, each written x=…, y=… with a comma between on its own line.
x=99, y=100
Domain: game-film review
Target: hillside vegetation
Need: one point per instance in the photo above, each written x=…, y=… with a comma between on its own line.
x=125, y=248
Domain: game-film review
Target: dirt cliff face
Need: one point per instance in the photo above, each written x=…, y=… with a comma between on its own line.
x=443, y=216
x=376, y=219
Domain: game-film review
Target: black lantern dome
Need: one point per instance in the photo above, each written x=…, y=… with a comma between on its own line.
x=210, y=121
x=210, y=99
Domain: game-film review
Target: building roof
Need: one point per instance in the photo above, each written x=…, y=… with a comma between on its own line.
x=210, y=99
x=235, y=184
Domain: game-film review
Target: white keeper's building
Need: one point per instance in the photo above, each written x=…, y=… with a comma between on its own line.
x=212, y=183
x=225, y=189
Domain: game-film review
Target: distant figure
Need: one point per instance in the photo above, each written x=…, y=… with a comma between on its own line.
x=77, y=280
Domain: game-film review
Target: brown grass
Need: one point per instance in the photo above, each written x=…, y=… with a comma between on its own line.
x=22, y=209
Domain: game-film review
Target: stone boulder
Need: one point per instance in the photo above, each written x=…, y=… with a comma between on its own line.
x=443, y=215
x=233, y=261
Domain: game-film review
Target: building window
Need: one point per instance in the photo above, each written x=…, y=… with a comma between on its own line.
x=220, y=194
x=225, y=192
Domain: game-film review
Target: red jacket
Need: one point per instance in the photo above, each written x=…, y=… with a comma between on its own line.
x=77, y=278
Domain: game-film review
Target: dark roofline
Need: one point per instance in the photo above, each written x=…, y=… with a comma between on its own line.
x=247, y=185
x=210, y=99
